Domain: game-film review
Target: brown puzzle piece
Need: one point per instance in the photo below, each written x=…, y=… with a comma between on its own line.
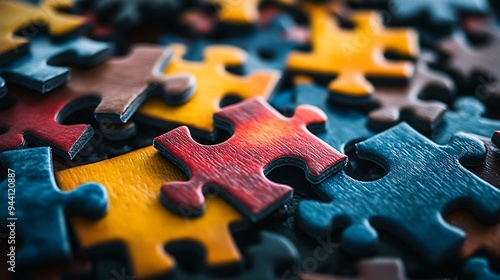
x=402, y=103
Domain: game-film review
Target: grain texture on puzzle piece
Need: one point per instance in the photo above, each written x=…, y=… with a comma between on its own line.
x=272, y=254
x=16, y=15
x=429, y=179
x=263, y=139
x=41, y=207
x=402, y=103
x=369, y=269
x=467, y=116
x=34, y=70
x=133, y=181
x=213, y=83
x=344, y=126
x=337, y=52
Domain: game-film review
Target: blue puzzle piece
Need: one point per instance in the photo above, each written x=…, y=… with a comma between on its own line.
x=3, y=87
x=267, y=47
x=40, y=207
x=34, y=70
x=477, y=269
x=467, y=117
x=423, y=181
x=344, y=125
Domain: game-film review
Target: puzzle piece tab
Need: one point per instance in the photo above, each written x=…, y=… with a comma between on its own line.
x=478, y=269
x=263, y=139
x=369, y=269
x=429, y=179
x=402, y=103
x=466, y=117
x=133, y=181
x=353, y=55
x=16, y=15
x=35, y=72
x=213, y=83
x=40, y=207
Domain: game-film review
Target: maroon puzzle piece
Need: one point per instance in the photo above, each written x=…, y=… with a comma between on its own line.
x=490, y=169
x=263, y=139
x=117, y=86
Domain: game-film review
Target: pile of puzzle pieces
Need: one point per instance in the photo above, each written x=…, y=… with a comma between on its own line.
x=246, y=139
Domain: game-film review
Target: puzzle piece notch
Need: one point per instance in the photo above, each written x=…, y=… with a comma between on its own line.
x=35, y=72
x=336, y=51
x=345, y=125
x=369, y=269
x=132, y=181
x=467, y=117
x=263, y=139
x=430, y=170
x=213, y=84
x=41, y=218
x=478, y=269
x=402, y=103
x=16, y=15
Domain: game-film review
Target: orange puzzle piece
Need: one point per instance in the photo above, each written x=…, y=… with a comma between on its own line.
x=213, y=83
x=138, y=219
x=241, y=11
x=353, y=55
x=15, y=15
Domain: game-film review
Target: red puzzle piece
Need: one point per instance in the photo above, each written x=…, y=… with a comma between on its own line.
x=263, y=139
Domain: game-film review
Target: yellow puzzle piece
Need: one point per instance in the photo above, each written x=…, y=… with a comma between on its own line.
x=241, y=11
x=15, y=15
x=213, y=83
x=138, y=219
x=352, y=55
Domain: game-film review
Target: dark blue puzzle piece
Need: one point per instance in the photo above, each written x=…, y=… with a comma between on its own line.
x=40, y=207
x=267, y=47
x=467, y=117
x=423, y=181
x=271, y=251
x=344, y=125
x=34, y=70
x=477, y=269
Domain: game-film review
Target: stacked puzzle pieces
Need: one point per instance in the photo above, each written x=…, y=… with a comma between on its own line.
x=247, y=139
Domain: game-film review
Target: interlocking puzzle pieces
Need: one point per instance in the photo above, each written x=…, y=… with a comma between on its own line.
x=16, y=15
x=490, y=169
x=467, y=61
x=466, y=117
x=263, y=139
x=213, y=83
x=114, y=86
x=478, y=269
x=428, y=177
x=402, y=103
x=133, y=181
x=39, y=207
x=370, y=269
x=35, y=72
x=272, y=254
x=267, y=46
x=344, y=126
x=353, y=55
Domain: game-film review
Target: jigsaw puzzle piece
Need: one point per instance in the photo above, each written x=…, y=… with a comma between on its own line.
x=429, y=177
x=496, y=138
x=241, y=12
x=16, y=15
x=402, y=103
x=478, y=269
x=263, y=139
x=132, y=181
x=35, y=72
x=369, y=269
x=38, y=212
x=341, y=53
x=272, y=253
x=34, y=118
x=467, y=117
x=345, y=126
x=490, y=169
x=213, y=83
